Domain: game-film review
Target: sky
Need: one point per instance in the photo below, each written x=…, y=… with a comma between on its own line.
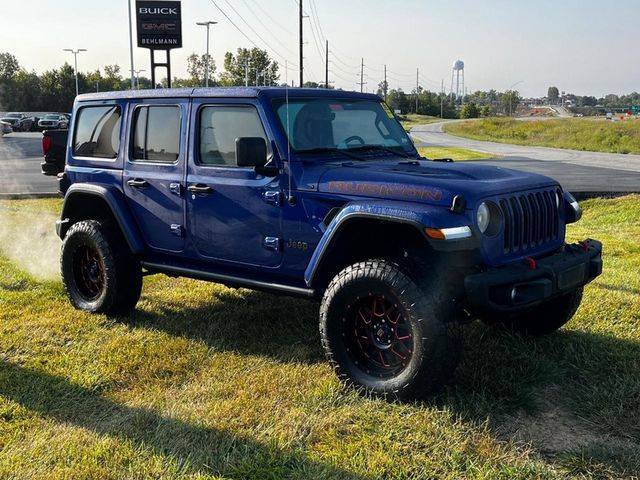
x=585, y=47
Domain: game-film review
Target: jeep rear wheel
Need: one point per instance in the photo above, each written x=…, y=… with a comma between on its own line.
x=98, y=272
x=383, y=335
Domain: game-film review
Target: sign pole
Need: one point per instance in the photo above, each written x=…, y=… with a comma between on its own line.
x=131, y=46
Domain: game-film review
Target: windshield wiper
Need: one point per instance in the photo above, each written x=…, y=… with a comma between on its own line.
x=332, y=150
x=381, y=148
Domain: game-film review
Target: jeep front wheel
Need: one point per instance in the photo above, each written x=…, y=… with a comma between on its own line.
x=383, y=335
x=98, y=271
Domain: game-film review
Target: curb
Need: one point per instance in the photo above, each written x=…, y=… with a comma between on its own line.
x=23, y=196
x=601, y=194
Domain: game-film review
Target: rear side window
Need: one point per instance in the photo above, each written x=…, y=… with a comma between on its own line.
x=97, y=132
x=219, y=128
x=156, y=134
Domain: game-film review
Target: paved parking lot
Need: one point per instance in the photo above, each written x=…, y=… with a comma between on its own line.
x=20, y=157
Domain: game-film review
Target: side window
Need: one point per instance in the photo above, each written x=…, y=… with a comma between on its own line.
x=219, y=128
x=97, y=132
x=156, y=134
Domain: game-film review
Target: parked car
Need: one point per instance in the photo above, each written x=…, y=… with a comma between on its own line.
x=5, y=128
x=319, y=194
x=14, y=119
x=25, y=124
x=54, y=121
x=54, y=145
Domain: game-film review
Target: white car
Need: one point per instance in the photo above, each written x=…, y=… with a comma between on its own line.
x=5, y=128
x=53, y=121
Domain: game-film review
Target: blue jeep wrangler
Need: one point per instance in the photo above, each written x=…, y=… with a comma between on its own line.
x=318, y=194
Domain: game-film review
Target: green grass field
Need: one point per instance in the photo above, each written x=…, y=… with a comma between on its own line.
x=597, y=135
x=457, y=154
x=205, y=382
x=411, y=120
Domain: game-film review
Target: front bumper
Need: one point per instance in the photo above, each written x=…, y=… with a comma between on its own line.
x=518, y=287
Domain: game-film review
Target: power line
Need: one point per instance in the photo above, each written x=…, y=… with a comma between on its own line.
x=278, y=24
x=315, y=40
x=244, y=34
x=265, y=27
x=342, y=69
x=253, y=30
x=314, y=7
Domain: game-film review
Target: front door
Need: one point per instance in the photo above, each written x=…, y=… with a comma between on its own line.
x=233, y=213
x=153, y=178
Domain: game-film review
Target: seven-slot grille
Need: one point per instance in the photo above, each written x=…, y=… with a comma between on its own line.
x=530, y=220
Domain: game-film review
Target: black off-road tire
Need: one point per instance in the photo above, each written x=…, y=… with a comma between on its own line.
x=432, y=352
x=543, y=319
x=98, y=271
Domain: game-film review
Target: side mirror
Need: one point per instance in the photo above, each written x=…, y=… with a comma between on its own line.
x=251, y=152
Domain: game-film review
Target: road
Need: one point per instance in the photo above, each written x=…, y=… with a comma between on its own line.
x=20, y=157
x=577, y=171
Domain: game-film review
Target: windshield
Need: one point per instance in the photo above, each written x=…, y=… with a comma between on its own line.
x=328, y=124
x=14, y=115
x=51, y=117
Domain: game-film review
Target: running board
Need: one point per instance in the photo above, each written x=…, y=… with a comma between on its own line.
x=229, y=280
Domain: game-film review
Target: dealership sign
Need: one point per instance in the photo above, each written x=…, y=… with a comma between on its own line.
x=159, y=24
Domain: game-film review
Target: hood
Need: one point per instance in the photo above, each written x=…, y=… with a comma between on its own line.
x=425, y=181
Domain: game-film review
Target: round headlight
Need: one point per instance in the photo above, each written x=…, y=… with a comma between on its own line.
x=483, y=217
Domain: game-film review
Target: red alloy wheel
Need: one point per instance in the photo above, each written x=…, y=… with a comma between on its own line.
x=89, y=272
x=377, y=337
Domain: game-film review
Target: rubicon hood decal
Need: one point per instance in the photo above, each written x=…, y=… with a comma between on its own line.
x=386, y=189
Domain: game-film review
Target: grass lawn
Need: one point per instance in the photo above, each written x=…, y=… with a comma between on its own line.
x=207, y=382
x=410, y=120
x=588, y=134
x=457, y=154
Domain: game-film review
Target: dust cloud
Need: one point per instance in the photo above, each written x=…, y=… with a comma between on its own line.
x=28, y=238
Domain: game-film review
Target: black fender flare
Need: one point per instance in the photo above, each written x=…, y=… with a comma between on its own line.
x=114, y=199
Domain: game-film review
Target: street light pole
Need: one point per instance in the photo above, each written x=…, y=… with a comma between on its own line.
x=75, y=59
x=206, y=63
x=138, y=72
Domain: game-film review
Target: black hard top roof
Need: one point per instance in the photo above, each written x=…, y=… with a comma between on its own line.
x=226, y=92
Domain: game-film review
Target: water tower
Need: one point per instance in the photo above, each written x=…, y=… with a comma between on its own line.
x=457, y=79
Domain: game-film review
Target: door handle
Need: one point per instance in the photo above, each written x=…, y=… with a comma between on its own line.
x=138, y=183
x=199, y=188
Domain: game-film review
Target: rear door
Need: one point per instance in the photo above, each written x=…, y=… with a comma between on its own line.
x=233, y=213
x=154, y=171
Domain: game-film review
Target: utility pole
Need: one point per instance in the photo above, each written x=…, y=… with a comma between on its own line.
x=386, y=86
x=301, y=45
x=207, y=24
x=442, y=100
x=362, y=76
x=326, y=65
x=246, y=74
x=417, y=87
x=257, y=76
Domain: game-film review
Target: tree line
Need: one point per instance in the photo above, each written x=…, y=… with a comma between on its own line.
x=55, y=89
x=473, y=105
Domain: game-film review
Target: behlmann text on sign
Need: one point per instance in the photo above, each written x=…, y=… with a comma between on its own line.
x=159, y=41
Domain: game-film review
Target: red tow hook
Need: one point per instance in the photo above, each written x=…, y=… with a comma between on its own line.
x=531, y=263
x=585, y=245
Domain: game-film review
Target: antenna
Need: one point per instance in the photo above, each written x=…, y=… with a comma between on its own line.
x=290, y=199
